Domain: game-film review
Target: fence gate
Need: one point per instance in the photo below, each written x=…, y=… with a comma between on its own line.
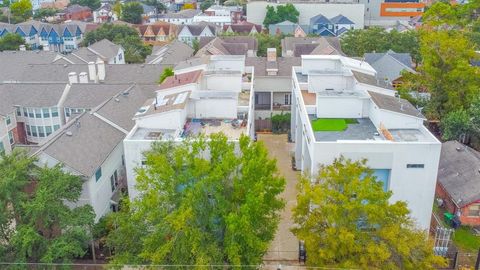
x=263, y=125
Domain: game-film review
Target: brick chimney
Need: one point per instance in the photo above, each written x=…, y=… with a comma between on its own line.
x=271, y=54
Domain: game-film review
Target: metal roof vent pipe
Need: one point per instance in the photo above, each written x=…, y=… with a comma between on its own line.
x=101, y=70
x=83, y=77
x=92, y=71
x=72, y=78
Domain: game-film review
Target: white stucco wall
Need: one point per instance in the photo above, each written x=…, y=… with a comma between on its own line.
x=339, y=107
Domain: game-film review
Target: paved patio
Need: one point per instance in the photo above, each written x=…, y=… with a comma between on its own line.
x=284, y=248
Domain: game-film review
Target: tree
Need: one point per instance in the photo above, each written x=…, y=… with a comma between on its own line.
x=286, y=12
x=35, y=223
x=11, y=42
x=206, y=4
x=43, y=13
x=195, y=45
x=159, y=6
x=167, y=72
x=132, y=12
x=188, y=6
x=93, y=4
x=266, y=41
x=22, y=8
x=455, y=124
x=135, y=50
x=346, y=220
x=202, y=201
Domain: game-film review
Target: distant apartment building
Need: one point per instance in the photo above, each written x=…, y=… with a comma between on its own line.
x=388, y=12
x=206, y=95
x=377, y=126
x=235, y=12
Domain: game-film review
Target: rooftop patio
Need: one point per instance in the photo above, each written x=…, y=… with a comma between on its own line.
x=233, y=129
x=363, y=129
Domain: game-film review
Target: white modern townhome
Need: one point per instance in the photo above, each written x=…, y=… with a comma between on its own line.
x=206, y=95
x=339, y=108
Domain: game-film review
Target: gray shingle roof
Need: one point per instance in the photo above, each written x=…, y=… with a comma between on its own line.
x=105, y=49
x=326, y=44
x=458, y=172
x=183, y=14
x=319, y=19
x=340, y=19
x=394, y=104
x=91, y=95
x=284, y=65
x=170, y=54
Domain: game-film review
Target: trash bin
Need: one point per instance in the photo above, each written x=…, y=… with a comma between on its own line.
x=448, y=218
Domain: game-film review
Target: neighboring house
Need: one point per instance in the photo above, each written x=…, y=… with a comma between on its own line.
x=416, y=21
x=182, y=17
x=77, y=12
x=335, y=26
x=273, y=84
x=234, y=45
x=399, y=26
x=288, y=28
x=234, y=12
x=458, y=182
x=105, y=50
x=170, y=54
x=189, y=32
x=198, y=99
x=104, y=14
x=148, y=11
x=64, y=37
x=390, y=65
x=244, y=28
x=218, y=20
x=91, y=143
x=382, y=128
x=8, y=128
x=298, y=46
x=36, y=4
x=159, y=31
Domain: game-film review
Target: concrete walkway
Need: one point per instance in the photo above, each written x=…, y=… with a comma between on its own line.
x=284, y=248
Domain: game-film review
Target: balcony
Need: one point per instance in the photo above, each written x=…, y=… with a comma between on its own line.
x=281, y=107
x=262, y=107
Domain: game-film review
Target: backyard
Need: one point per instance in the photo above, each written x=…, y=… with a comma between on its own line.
x=332, y=124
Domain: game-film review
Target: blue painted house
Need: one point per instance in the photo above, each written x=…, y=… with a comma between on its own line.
x=336, y=26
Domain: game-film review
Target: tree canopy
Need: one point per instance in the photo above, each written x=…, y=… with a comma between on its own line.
x=346, y=220
x=35, y=223
x=282, y=13
x=44, y=12
x=167, y=72
x=205, y=201
x=11, y=42
x=93, y=4
x=266, y=41
x=132, y=12
x=206, y=4
x=357, y=42
x=22, y=8
x=135, y=50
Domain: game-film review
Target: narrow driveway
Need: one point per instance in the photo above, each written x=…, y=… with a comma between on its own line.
x=284, y=248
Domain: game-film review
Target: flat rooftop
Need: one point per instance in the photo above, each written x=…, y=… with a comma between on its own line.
x=233, y=129
x=364, y=129
x=408, y=135
x=154, y=134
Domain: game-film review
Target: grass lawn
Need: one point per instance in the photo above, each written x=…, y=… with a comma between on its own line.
x=332, y=124
x=466, y=240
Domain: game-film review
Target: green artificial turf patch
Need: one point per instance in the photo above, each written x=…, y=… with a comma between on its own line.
x=329, y=124
x=351, y=121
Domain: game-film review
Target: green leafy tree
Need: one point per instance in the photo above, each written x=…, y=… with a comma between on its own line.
x=206, y=4
x=93, y=4
x=266, y=41
x=196, y=208
x=282, y=13
x=159, y=6
x=45, y=229
x=43, y=13
x=11, y=42
x=135, y=50
x=167, y=72
x=132, y=12
x=195, y=46
x=22, y=8
x=346, y=220
x=455, y=124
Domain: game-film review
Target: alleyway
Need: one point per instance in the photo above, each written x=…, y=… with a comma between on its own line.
x=284, y=248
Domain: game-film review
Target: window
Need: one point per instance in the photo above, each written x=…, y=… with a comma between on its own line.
x=8, y=120
x=46, y=113
x=67, y=112
x=120, y=56
x=54, y=112
x=114, y=181
x=19, y=112
x=28, y=130
x=41, y=131
x=474, y=210
x=48, y=130
x=98, y=174
x=56, y=127
x=38, y=113
x=10, y=137
x=34, y=131
x=30, y=113
x=2, y=147
x=288, y=99
x=25, y=112
x=415, y=166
